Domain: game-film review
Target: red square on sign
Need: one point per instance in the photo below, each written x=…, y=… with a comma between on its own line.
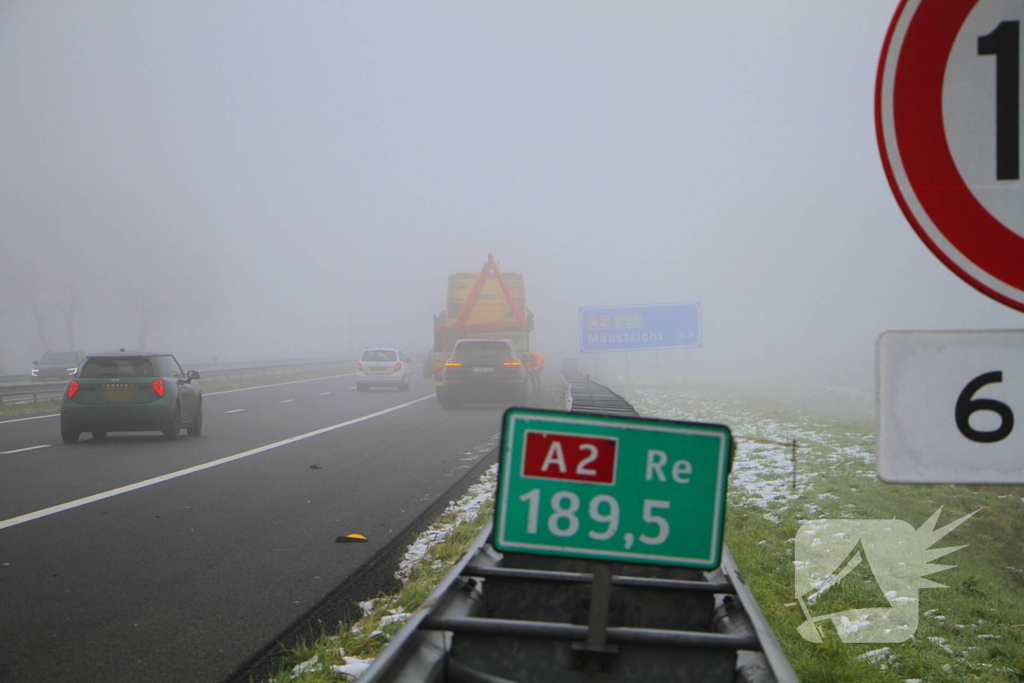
x=570, y=457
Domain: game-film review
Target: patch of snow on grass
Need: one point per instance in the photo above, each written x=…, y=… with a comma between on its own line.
x=466, y=509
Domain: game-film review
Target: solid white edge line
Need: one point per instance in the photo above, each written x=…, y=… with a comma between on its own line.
x=30, y=448
x=21, y=519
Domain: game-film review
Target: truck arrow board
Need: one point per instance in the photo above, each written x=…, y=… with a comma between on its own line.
x=612, y=488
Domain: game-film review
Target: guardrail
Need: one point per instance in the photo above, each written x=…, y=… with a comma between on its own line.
x=38, y=391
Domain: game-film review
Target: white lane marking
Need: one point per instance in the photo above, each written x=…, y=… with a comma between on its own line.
x=288, y=400
x=26, y=419
x=210, y=393
x=30, y=448
x=325, y=393
x=236, y=410
x=282, y=384
x=14, y=521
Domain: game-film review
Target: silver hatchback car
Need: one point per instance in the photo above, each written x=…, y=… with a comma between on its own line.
x=383, y=367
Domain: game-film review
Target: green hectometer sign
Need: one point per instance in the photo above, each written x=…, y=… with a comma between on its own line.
x=612, y=488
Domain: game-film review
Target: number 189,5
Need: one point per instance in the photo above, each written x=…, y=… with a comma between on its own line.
x=563, y=520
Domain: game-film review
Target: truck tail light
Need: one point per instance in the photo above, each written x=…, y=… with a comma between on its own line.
x=72, y=389
x=453, y=365
x=515, y=362
x=158, y=387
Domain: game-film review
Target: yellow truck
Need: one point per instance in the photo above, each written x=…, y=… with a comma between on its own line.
x=485, y=305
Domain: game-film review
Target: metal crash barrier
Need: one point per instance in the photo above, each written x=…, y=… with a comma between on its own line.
x=503, y=616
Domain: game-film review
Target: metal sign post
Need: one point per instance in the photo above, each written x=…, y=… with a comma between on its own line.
x=596, y=653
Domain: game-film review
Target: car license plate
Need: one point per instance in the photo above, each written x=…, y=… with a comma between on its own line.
x=483, y=369
x=117, y=393
x=378, y=369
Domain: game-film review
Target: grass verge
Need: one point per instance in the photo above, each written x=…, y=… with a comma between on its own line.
x=344, y=654
x=971, y=631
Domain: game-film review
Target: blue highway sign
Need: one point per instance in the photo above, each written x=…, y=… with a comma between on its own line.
x=629, y=328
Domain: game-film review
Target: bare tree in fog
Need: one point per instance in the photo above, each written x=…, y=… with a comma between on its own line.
x=40, y=319
x=158, y=273
x=8, y=287
x=69, y=305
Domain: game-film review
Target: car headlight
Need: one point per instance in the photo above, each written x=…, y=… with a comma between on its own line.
x=72, y=371
x=35, y=372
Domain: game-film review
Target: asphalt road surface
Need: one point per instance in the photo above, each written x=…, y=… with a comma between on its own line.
x=136, y=559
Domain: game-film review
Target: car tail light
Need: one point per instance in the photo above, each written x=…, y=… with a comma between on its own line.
x=359, y=366
x=158, y=387
x=72, y=389
x=398, y=366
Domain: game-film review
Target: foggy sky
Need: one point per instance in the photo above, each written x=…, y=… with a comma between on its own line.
x=297, y=167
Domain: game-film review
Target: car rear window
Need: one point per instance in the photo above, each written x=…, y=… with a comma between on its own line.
x=120, y=366
x=382, y=355
x=483, y=348
x=166, y=366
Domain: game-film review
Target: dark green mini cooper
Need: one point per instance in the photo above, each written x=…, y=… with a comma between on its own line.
x=131, y=391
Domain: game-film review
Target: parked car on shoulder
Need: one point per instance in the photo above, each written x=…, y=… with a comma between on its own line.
x=382, y=367
x=483, y=370
x=131, y=391
x=57, y=366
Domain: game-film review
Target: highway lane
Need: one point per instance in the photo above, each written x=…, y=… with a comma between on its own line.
x=236, y=421
x=185, y=578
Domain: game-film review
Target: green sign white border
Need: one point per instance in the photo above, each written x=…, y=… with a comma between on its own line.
x=556, y=418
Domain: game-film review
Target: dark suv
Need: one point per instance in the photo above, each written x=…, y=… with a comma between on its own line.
x=483, y=370
x=57, y=366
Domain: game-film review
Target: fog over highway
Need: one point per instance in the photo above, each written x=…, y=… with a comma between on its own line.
x=132, y=558
x=297, y=180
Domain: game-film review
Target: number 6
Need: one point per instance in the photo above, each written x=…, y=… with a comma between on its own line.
x=966, y=406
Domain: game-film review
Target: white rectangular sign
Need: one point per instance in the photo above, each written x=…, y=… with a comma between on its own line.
x=947, y=407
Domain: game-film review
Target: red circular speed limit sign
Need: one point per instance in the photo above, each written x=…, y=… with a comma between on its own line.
x=947, y=108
